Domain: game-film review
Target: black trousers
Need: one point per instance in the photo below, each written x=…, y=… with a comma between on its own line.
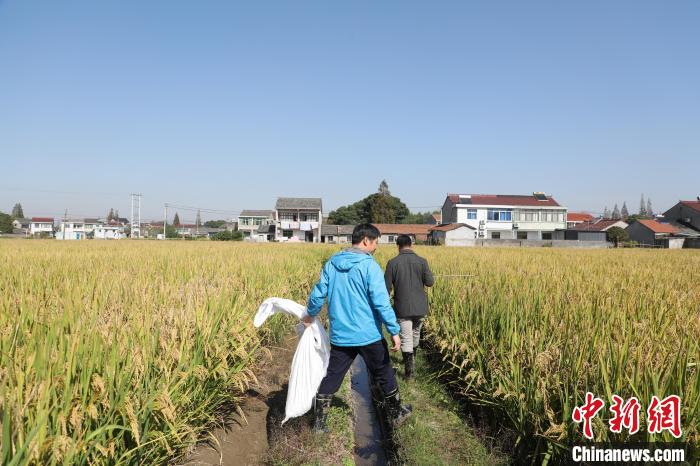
x=376, y=356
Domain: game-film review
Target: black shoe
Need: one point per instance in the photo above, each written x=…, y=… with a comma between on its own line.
x=322, y=403
x=409, y=364
x=397, y=412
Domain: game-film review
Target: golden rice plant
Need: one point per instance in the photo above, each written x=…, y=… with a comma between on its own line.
x=120, y=352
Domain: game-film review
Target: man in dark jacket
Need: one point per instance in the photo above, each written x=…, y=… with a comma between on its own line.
x=408, y=274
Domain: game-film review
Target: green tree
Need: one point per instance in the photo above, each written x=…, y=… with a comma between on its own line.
x=617, y=235
x=223, y=236
x=171, y=232
x=110, y=215
x=380, y=210
x=176, y=220
x=237, y=235
x=17, y=211
x=5, y=223
x=215, y=223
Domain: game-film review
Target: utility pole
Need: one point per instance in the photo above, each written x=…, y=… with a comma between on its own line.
x=165, y=221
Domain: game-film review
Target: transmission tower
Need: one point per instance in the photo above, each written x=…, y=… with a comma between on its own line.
x=135, y=215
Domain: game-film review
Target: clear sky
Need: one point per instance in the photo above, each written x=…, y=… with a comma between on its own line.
x=227, y=105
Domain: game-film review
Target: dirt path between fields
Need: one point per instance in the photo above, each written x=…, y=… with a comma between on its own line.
x=245, y=441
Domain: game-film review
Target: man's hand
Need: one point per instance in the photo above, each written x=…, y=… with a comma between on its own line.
x=397, y=343
x=308, y=320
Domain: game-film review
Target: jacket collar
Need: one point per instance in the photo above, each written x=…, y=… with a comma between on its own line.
x=407, y=251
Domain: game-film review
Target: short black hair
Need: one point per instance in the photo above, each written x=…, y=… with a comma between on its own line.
x=403, y=241
x=364, y=230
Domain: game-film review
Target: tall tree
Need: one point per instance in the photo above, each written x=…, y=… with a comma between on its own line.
x=606, y=212
x=624, y=212
x=616, y=213
x=5, y=223
x=642, y=207
x=650, y=212
x=384, y=188
x=110, y=215
x=176, y=220
x=17, y=211
x=380, y=210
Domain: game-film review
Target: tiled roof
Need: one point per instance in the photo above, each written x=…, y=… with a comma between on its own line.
x=451, y=226
x=502, y=199
x=578, y=217
x=42, y=219
x=256, y=213
x=695, y=205
x=403, y=228
x=598, y=225
x=437, y=217
x=327, y=229
x=313, y=203
x=658, y=227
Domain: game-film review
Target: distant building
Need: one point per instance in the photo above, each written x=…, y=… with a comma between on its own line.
x=332, y=234
x=41, y=226
x=435, y=219
x=452, y=234
x=655, y=233
x=500, y=216
x=576, y=218
x=250, y=220
x=391, y=231
x=21, y=226
x=684, y=214
x=298, y=219
x=109, y=231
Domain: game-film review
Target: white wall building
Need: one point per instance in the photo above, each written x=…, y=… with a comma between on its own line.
x=109, y=231
x=298, y=219
x=41, y=226
x=249, y=222
x=498, y=216
x=453, y=234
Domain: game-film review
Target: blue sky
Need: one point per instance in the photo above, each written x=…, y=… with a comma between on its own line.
x=227, y=105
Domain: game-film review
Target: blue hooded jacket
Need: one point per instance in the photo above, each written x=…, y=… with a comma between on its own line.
x=358, y=302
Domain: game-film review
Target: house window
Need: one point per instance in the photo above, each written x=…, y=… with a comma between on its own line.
x=522, y=235
x=330, y=238
x=471, y=214
x=309, y=217
x=546, y=235
x=288, y=216
x=391, y=238
x=499, y=215
x=496, y=235
x=287, y=233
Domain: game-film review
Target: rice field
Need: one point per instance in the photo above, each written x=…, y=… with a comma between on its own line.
x=120, y=352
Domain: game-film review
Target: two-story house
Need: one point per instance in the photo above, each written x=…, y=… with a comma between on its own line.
x=298, y=219
x=77, y=228
x=41, y=226
x=685, y=213
x=249, y=221
x=500, y=216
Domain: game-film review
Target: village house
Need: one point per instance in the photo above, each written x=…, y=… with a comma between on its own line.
x=576, y=218
x=684, y=214
x=655, y=233
x=298, y=219
x=21, y=226
x=499, y=216
x=41, y=226
x=453, y=234
x=249, y=221
x=596, y=230
x=109, y=231
x=336, y=234
x=391, y=231
x=435, y=219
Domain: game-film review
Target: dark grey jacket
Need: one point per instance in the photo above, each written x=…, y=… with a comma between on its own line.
x=407, y=274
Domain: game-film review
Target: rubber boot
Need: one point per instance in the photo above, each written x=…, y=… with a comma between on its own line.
x=322, y=403
x=409, y=364
x=397, y=412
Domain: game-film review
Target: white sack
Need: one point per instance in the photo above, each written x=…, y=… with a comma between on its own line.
x=310, y=358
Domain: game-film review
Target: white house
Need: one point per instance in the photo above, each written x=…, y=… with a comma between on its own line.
x=336, y=234
x=391, y=231
x=499, y=216
x=249, y=221
x=74, y=229
x=453, y=234
x=109, y=231
x=41, y=226
x=298, y=217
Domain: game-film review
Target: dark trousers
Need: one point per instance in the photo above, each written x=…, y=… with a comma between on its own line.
x=376, y=356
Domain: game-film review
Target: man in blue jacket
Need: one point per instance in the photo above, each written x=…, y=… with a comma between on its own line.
x=358, y=305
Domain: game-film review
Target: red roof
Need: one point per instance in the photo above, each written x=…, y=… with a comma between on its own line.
x=450, y=227
x=658, y=227
x=692, y=204
x=501, y=199
x=578, y=217
x=403, y=228
x=42, y=219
